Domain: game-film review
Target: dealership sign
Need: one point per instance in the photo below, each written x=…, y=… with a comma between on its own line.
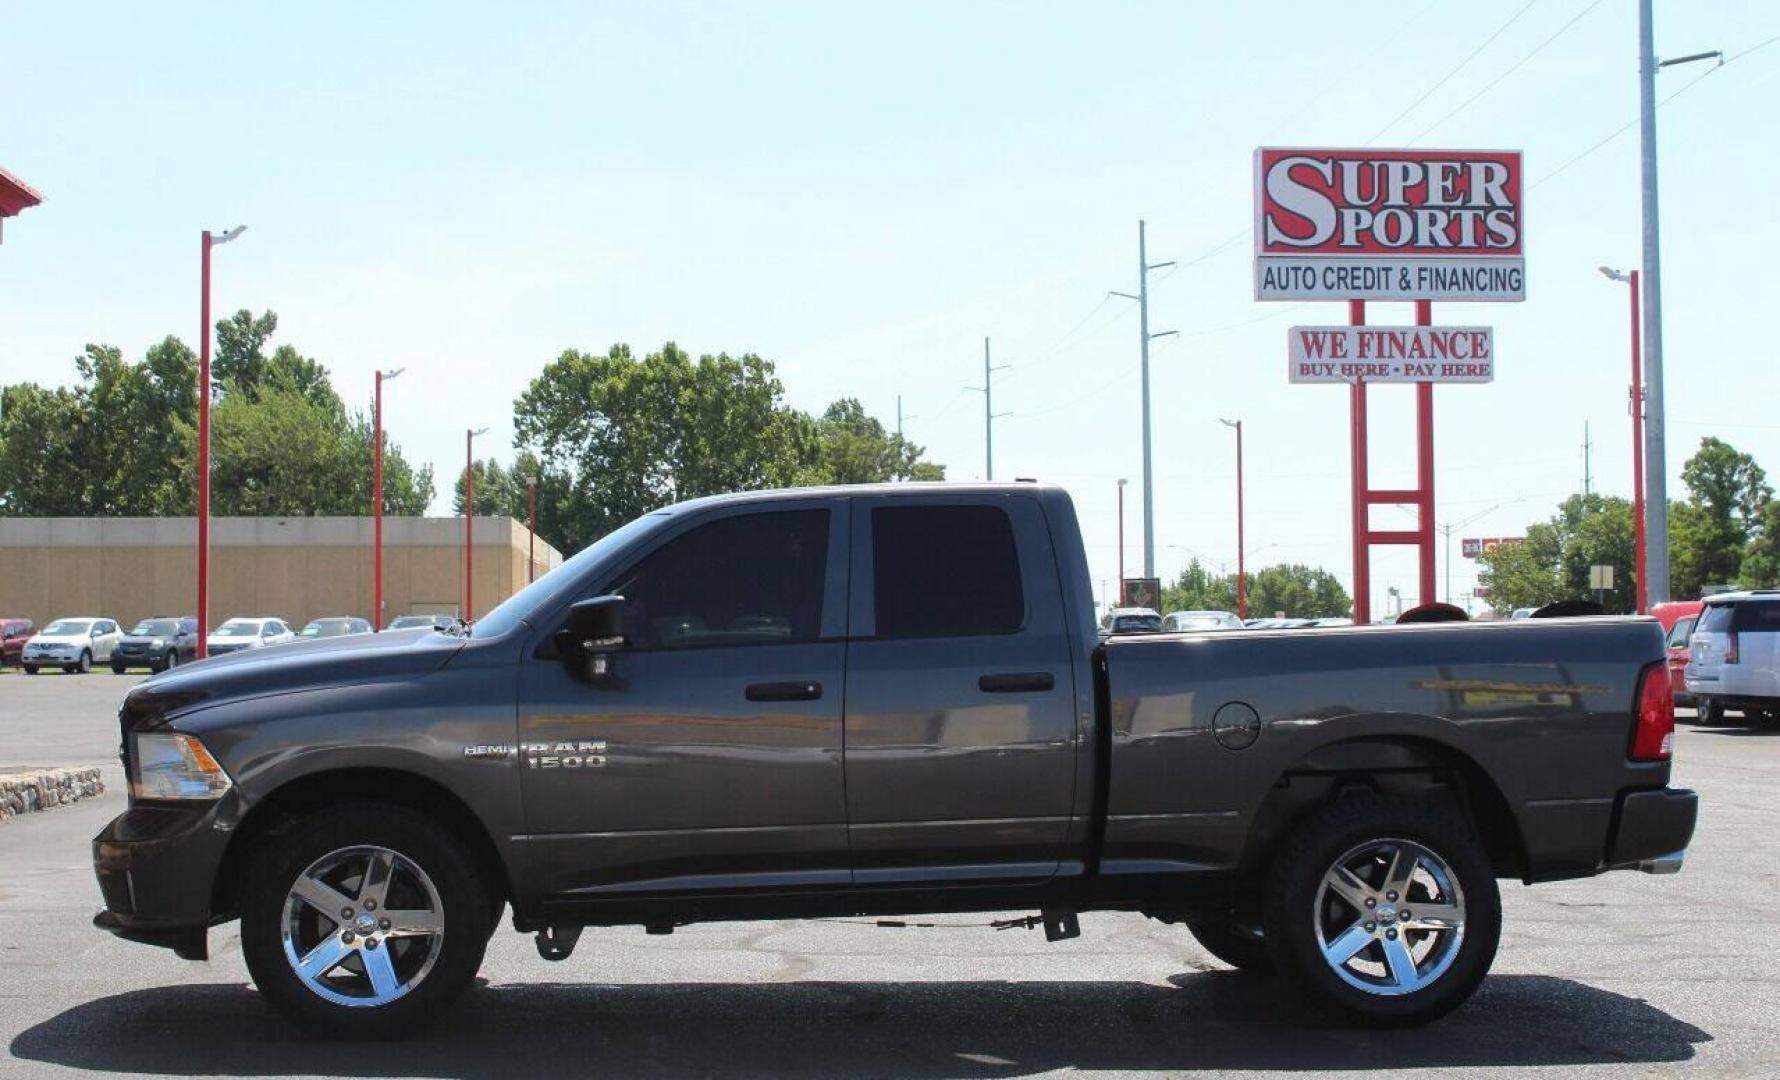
x=1325, y=354
x=1389, y=225
x=1471, y=547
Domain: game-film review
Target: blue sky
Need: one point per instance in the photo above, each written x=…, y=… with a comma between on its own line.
x=863, y=194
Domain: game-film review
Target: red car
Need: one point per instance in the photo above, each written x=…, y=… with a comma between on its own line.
x=13, y=635
x=1678, y=618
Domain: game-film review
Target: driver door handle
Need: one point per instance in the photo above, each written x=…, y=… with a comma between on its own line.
x=800, y=690
x=1025, y=682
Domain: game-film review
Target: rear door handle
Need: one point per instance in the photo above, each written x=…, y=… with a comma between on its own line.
x=1024, y=682
x=801, y=690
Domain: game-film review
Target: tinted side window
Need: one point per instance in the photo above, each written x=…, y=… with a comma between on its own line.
x=1757, y=618
x=1716, y=619
x=945, y=571
x=747, y=579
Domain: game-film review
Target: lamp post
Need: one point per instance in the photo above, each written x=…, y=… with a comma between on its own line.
x=1637, y=405
x=531, y=529
x=470, y=520
x=1241, y=571
x=377, y=499
x=205, y=331
x=1121, y=543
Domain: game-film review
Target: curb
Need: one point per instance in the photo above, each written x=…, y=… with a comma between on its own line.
x=27, y=791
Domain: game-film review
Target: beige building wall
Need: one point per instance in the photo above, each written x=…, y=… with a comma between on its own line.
x=296, y=569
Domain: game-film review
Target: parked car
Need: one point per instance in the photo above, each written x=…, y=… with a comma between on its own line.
x=248, y=632
x=444, y=624
x=1678, y=618
x=73, y=644
x=13, y=634
x=1182, y=621
x=1734, y=656
x=335, y=626
x=158, y=643
x=1131, y=620
x=879, y=700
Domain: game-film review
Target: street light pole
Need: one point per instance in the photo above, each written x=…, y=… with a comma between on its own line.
x=1640, y=541
x=1144, y=337
x=1241, y=571
x=470, y=521
x=1655, y=469
x=377, y=499
x=531, y=529
x=209, y=242
x=1121, y=543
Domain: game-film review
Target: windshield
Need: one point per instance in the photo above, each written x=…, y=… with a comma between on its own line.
x=1139, y=623
x=1198, y=622
x=548, y=590
x=327, y=628
x=66, y=628
x=238, y=629
x=156, y=628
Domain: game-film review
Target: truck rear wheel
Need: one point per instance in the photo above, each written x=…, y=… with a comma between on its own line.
x=364, y=920
x=1242, y=945
x=1383, y=909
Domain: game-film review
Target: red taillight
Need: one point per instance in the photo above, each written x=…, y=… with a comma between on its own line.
x=1654, y=738
x=1732, y=651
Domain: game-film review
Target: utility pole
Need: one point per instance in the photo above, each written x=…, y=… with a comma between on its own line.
x=1656, y=505
x=1121, y=542
x=1588, y=476
x=989, y=413
x=1144, y=266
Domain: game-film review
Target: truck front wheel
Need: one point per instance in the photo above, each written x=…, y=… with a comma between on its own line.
x=364, y=920
x=1383, y=909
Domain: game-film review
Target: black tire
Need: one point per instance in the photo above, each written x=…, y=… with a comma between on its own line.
x=30, y=669
x=1223, y=935
x=170, y=661
x=118, y=669
x=84, y=665
x=464, y=900
x=1711, y=712
x=1294, y=920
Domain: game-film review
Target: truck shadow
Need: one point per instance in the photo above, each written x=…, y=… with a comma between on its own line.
x=1201, y=1021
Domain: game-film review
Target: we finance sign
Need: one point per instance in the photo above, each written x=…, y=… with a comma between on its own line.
x=1389, y=225
x=1392, y=354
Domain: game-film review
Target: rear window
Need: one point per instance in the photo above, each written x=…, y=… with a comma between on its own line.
x=1756, y=618
x=1716, y=619
x=945, y=571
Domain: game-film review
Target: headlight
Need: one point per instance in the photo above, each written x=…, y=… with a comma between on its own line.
x=169, y=765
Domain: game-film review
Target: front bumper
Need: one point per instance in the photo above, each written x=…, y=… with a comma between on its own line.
x=156, y=866
x=1652, y=830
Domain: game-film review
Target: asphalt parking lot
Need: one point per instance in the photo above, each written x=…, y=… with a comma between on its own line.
x=1624, y=975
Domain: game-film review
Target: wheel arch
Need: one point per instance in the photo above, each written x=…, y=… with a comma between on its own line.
x=301, y=796
x=1412, y=765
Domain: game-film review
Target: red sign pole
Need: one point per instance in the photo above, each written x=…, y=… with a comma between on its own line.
x=1424, y=468
x=1356, y=316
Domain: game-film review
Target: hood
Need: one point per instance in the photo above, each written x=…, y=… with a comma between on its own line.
x=292, y=666
x=145, y=639
x=60, y=639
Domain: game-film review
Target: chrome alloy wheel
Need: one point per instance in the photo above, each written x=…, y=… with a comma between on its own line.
x=1390, y=917
x=362, y=926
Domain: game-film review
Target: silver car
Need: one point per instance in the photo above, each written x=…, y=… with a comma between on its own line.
x=1734, y=656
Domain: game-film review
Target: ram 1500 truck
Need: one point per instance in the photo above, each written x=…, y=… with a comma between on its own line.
x=876, y=701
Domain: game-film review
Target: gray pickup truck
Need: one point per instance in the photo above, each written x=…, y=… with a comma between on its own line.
x=879, y=701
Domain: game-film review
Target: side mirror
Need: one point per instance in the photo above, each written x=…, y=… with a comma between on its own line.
x=594, y=631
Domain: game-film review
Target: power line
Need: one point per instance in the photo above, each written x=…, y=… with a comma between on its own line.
x=1512, y=68
x=1444, y=79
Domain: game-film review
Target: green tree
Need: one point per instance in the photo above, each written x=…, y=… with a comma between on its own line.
x=1761, y=560
x=1300, y=591
x=1727, y=493
x=122, y=441
x=498, y=491
x=615, y=436
x=1198, y=589
x=1553, y=561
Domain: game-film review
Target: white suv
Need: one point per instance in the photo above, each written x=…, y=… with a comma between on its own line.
x=74, y=645
x=247, y=633
x=1734, y=656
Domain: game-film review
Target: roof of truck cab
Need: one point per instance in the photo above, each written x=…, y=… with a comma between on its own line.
x=830, y=491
